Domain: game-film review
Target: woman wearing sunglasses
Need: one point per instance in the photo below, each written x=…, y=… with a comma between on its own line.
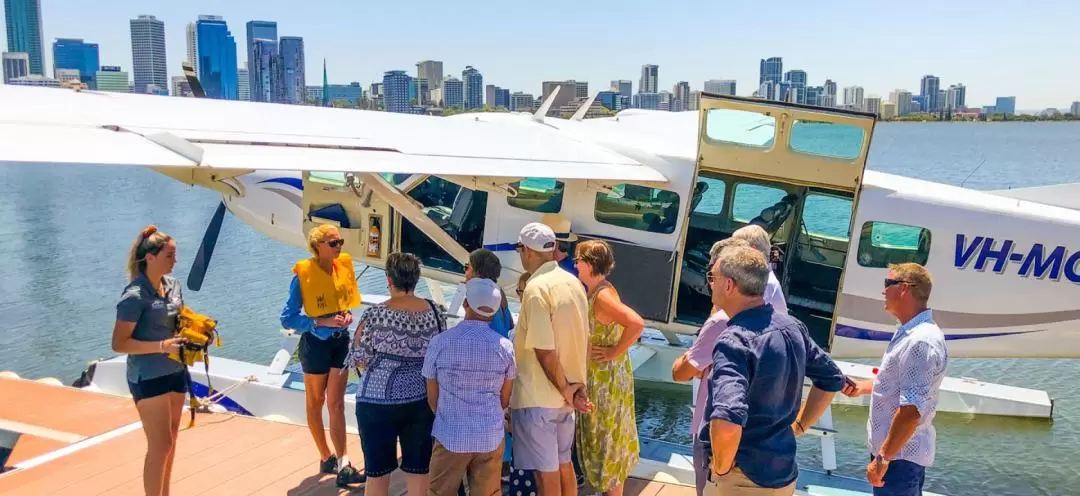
x=322, y=295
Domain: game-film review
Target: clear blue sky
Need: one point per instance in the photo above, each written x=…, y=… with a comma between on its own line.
x=1026, y=50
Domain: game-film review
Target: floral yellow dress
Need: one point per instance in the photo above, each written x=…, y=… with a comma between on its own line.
x=607, y=437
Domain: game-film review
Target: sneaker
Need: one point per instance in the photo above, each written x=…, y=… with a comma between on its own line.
x=329, y=465
x=349, y=475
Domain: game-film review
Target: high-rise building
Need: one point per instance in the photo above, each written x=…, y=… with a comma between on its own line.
x=680, y=96
x=796, y=80
x=853, y=97
x=111, y=78
x=568, y=90
x=650, y=79
x=624, y=87
x=521, y=102
x=243, y=84
x=396, y=91
x=1074, y=109
x=258, y=30
x=23, y=22
x=873, y=104
x=720, y=86
x=432, y=71
x=74, y=53
x=192, y=37
x=905, y=103
x=772, y=70
x=148, y=53
x=16, y=64
x=217, y=58
x=829, y=98
x=474, y=87
x=453, y=92
x=294, y=80
x=814, y=95
x=956, y=97
x=267, y=70
x=1005, y=105
x=928, y=90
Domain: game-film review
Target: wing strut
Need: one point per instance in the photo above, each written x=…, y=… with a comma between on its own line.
x=584, y=109
x=538, y=116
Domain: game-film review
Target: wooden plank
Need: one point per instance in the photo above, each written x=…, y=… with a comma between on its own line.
x=63, y=408
x=28, y=447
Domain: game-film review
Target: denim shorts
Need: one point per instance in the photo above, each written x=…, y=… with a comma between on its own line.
x=383, y=427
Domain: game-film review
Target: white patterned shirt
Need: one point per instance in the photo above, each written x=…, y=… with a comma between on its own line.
x=910, y=374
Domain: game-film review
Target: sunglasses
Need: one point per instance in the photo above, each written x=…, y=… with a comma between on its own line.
x=893, y=282
x=334, y=243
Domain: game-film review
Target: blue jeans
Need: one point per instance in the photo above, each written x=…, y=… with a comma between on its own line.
x=903, y=478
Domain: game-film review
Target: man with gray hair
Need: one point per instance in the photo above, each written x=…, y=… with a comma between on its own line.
x=759, y=364
x=759, y=240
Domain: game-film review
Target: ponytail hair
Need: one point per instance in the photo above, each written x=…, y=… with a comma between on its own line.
x=149, y=242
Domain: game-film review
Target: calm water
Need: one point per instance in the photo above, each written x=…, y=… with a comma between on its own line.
x=65, y=233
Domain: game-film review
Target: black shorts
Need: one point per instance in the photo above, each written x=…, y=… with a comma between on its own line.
x=383, y=426
x=318, y=356
x=175, y=382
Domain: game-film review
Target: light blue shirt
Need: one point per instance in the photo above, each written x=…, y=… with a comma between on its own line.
x=471, y=362
x=774, y=294
x=291, y=318
x=910, y=374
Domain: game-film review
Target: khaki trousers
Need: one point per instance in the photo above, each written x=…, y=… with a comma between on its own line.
x=736, y=483
x=484, y=471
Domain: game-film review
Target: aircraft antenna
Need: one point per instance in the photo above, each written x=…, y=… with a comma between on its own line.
x=972, y=172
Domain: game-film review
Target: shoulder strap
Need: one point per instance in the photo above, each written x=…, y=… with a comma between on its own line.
x=438, y=314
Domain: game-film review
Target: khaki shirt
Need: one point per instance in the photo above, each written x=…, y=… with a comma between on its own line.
x=554, y=316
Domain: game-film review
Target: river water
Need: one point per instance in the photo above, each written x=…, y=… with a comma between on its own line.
x=65, y=232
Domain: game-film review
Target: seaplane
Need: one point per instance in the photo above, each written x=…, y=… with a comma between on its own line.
x=660, y=187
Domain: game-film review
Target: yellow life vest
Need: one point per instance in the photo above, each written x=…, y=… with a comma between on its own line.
x=323, y=293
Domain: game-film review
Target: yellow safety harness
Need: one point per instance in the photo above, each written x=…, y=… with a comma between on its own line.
x=197, y=330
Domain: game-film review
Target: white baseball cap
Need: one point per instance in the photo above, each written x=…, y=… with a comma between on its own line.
x=483, y=296
x=537, y=236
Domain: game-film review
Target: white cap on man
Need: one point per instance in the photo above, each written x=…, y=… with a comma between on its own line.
x=537, y=236
x=483, y=296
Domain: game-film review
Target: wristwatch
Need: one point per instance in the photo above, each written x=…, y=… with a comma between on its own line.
x=882, y=460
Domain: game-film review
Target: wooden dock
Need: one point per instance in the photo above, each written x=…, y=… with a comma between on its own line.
x=82, y=442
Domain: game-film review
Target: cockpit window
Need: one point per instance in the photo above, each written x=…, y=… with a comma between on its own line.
x=638, y=207
x=538, y=195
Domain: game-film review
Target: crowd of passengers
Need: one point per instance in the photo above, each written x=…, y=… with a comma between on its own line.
x=546, y=404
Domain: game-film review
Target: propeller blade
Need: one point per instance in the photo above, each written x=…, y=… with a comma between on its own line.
x=206, y=250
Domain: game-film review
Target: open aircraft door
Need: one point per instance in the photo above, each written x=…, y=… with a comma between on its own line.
x=805, y=149
x=363, y=218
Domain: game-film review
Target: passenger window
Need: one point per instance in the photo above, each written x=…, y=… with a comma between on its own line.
x=884, y=243
x=708, y=196
x=753, y=200
x=827, y=139
x=538, y=195
x=638, y=207
x=740, y=127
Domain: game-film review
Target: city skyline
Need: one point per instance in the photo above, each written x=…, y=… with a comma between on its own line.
x=1026, y=64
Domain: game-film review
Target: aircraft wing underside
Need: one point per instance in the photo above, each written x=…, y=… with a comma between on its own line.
x=48, y=125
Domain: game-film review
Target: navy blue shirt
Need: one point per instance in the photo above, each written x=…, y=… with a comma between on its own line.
x=757, y=379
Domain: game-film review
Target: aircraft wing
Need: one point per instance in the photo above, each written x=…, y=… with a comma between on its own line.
x=1060, y=195
x=48, y=125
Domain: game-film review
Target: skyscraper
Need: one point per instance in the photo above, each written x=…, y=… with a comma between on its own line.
x=453, y=92
x=148, y=53
x=828, y=99
x=928, y=90
x=258, y=30
x=650, y=79
x=853, y=97
x=266, y=68
x=771, y=70
x=23, y=20
x=293, y=80
x=74, y=53
x=624, y=87
x=796, y=80
x=192, y=46
x=243, y=85
x=16, y=64
x=474, y=87
x=396, y=90
x=680, y=96
x=432, y=71
x=217, y=58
